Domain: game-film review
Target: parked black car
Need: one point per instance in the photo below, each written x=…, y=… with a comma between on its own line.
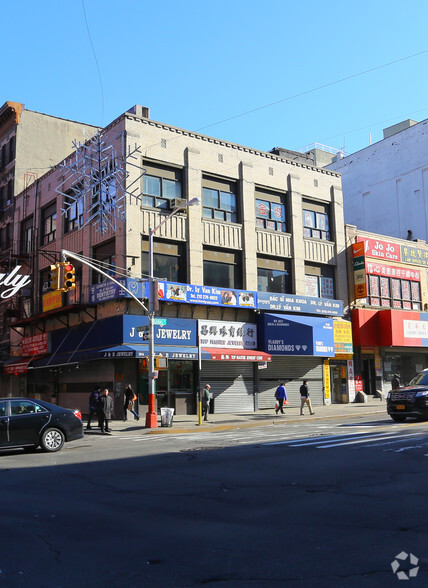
x=412, y=400
x=28, y=423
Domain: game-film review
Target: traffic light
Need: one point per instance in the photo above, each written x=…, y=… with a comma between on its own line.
x=54, y=276
x=69, y=277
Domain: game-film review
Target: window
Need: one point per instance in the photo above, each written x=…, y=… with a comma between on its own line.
x=106, y=254
x=319, y=281
x=222, y=269
x=25, y=407
x=160, y=185
x=48, y=231
x=219, y=200
x=270, y=209
x=270, y=215
x=316, y=220
x=168, y=261
x=73, y=217
x=393, y=292
x=2, y=408
x=273, y=275
x=27, y=231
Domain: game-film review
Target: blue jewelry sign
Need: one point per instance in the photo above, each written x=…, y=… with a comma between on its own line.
x=303, y=304
x=172, y=331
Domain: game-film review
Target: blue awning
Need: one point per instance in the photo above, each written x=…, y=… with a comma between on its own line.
x=115, y=352
x=283, y=334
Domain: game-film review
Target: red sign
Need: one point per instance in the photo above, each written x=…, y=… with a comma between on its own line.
x=381, y=249
x=35, y=345
x=358, y=383
x=20, y=367
x=391, y=271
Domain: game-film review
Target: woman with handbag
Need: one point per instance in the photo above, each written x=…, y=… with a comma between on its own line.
x=129, y=398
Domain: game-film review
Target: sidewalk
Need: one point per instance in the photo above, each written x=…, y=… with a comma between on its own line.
x=222, y=422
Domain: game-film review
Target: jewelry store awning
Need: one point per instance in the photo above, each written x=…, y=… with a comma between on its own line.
x=116, y=352
x=228, y=354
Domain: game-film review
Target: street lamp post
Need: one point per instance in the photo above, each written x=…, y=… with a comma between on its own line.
x=151, y=416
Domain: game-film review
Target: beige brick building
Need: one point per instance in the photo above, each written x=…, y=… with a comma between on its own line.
x=269, y=222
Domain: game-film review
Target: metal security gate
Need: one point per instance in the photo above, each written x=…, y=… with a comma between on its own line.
x=292, y=371
x=232, y=385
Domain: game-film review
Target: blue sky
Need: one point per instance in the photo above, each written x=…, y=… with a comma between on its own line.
x=196, y=64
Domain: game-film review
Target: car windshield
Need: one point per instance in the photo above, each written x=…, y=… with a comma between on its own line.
x=419, y=380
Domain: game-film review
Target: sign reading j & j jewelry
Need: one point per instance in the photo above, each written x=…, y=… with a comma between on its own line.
x=12, y=282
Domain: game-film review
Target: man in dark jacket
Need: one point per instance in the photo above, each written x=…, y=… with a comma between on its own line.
x=94, y=406
x=395, y=382
x=106, y=403
x=304, y=397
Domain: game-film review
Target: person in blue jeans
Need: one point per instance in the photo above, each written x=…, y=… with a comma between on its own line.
x=281, y=396
x=129, y=398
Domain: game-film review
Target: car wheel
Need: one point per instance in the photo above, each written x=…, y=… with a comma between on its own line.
x=52, y=440
x=398, y=418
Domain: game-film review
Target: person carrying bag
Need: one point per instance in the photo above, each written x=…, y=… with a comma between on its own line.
x=129, y=398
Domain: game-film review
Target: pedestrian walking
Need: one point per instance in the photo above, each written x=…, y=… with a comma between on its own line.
x=304, y=397
x=395, y=382
x=106, y=403
x=94, y=407
x=129, y=398
x=206, y=397
x=281, y=397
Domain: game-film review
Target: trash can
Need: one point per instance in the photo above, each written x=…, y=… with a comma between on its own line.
x=167, y=415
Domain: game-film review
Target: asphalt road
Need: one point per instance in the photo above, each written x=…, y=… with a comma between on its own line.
x=310, y=504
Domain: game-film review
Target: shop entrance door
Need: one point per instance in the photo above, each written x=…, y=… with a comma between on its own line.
x=336, y=384
x=369, y=376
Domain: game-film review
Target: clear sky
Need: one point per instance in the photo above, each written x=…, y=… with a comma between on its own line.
x=261, y=74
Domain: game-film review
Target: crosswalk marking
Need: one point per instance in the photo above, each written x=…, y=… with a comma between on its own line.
x=362, y=441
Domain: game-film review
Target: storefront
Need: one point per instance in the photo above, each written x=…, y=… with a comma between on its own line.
x=229, y=361
x=112, y=352
x=389, y=341
x=298, y=345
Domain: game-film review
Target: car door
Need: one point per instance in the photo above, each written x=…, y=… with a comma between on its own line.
x=26, y=420
x=4, y=438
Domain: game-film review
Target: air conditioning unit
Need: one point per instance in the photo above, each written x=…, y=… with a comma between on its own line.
x=176, y=203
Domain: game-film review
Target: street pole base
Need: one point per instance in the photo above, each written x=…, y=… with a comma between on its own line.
x=151, y=420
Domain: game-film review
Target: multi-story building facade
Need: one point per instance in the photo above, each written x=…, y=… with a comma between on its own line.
x=30, y=144
x=385, y=185
x=389, y=302
x=255, y=276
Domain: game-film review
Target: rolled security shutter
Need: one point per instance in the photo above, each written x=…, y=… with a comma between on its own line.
x=232, y=385
x=291, y=370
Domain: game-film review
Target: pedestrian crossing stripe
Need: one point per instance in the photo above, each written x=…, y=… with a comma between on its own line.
x=328, y=442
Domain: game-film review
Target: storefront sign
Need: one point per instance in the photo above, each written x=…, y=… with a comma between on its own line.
x=415, y=329
x=327, y=393
x=15, y=369
x=35, y=345
x=360, y=284
x=381, y=249
x=342, y=337
x=296, y=335
x=110, y=291
x=52, y=300
x=358, y=380
x=227, y=334
x=210, y=295
x=12, y=282
x=351, y=381
x=299, y=304
x=175, y=332
x=414, y=255
x=392, y=271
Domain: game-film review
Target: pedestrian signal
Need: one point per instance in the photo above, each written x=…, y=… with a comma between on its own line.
x=69, y=278
x=54, y=276
x=144, y=364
